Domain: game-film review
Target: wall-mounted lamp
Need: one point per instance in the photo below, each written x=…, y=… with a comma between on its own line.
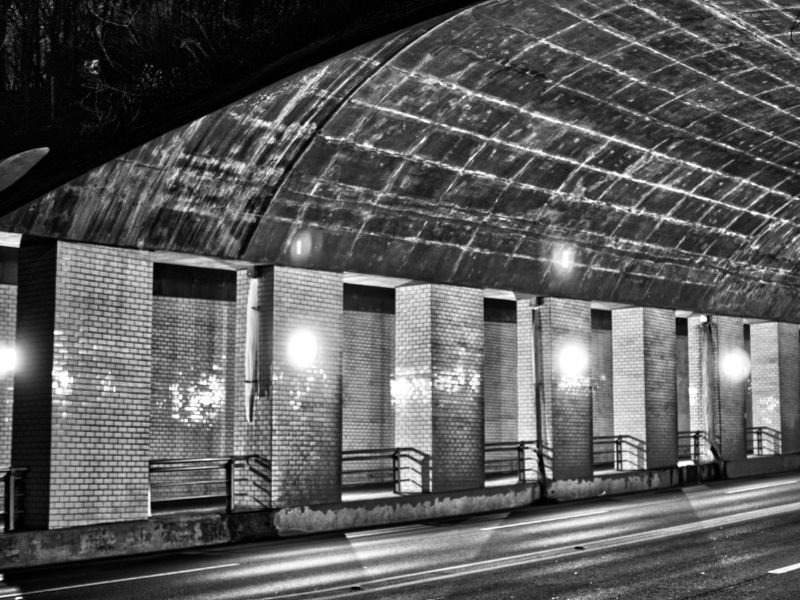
x=301, y=349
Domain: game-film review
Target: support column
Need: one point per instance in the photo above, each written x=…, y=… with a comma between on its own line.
x=437, y=389
x=526, y=381
x=563, y=342
x=82, y=386
x=775, y=354
x=717, y=380
x=290, y=415
x=645, y=405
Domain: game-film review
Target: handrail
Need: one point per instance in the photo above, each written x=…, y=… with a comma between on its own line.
x=13, y=501
x=227, y=464
x=696, y=438
x=365, y=456
x=760, y=433
x=521, y=449
x=627, y=449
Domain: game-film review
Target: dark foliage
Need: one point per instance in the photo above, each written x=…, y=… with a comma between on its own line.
x=86, y=75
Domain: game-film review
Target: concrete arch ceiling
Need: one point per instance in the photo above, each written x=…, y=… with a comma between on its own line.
x=660, y=141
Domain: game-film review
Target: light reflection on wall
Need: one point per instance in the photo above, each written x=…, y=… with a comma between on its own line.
x=198, y=403
x=413, y=388
x=62, y=382
x=300, y=385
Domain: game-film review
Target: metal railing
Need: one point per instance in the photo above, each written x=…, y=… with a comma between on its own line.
x=618, y=452
x=511, y=458
x=196, y=480
x=690, y=445
x=14, y=497
x=763, y=440
x=369, y=467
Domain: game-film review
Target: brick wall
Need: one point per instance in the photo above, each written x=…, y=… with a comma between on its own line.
x=567, y=403
x=33, y=378
x=766, y=377
x=8, y=328
x=731, y=402
x=305, y=402
x=192, y=382
x=499, y=381
x=775, y=351
x=602, y=375
x=83, y=396
x=682, y=375
x=526, y=378
x=367, y=366
x=438, y=383
x=790, y=387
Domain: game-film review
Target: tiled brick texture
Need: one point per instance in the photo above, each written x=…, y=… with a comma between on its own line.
x=602, y=383
x=731, y=400
x=697, y=378
x=367, y=411
x=367, y=366
x=716, y=401
x=251, y=436
x=682, y=381
x=526, y=372
x=567, y=401
x=775, y=355
x=645, y=405
x=437, y=390
x=8, y=328
x=499, y=381
x=193, y=379
x=302, y=406
x=82, y=393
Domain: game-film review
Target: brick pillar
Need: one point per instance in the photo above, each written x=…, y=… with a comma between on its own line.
x=732, y=389
x=8, y=328
x=526, y=379
x=775, y=354
x=717, y=399
x=82, y=388
x=296, y=417
x=437, y=389
x=566, y=399
x=645, y=405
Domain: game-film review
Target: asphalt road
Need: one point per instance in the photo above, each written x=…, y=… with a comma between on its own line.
x=736, y=539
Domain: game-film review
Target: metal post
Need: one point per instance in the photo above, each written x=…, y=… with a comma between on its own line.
x=696, y=450
x=760, y=440
x=521, y=461
x=618, y=453
x=396, y=470
x=230, y=480
x=11, y=500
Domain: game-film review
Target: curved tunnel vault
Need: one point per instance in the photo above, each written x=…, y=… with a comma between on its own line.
x=658, y=142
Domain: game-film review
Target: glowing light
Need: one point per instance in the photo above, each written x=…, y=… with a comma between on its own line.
x=8, y=359
x=735, y=365
x=573, y=361
x=302, y=349
x=564, y=258
x=302, y=246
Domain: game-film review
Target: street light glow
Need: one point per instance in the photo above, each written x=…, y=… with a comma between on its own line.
x=302, y=349
x=735, y=365
x=8, y=359
x=573, y=361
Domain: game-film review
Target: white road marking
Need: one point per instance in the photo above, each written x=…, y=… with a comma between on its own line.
x=783, y=570
x=537, y=522
x=122, y=580
x=755, y=488
x=394, y=582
